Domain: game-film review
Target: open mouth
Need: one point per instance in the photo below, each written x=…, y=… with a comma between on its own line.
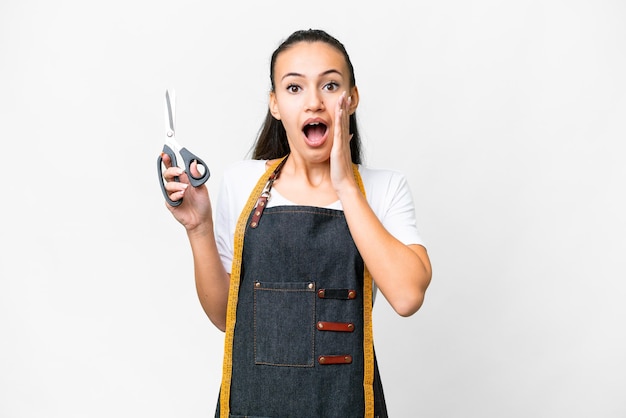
x=315, y=132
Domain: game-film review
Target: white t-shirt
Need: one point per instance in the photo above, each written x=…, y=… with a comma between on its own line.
x=387, y=192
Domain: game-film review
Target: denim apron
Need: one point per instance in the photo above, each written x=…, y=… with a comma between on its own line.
x=298, y=336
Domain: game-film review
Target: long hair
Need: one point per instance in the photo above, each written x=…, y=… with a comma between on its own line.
x=272, y=139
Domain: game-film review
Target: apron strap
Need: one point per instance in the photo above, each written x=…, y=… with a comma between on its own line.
x=261, y=204
x=233, y=296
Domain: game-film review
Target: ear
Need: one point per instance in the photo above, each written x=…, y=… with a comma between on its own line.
x=354, y=95
x=273, y=105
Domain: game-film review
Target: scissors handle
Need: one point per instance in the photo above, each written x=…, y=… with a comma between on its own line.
x=167, y=150
x=188, y=158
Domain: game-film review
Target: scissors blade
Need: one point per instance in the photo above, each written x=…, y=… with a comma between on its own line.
x=171, y=112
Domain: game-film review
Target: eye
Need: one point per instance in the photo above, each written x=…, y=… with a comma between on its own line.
x=331, y=86
x=293, y=88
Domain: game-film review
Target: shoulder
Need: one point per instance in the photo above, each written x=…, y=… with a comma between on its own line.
x=389, y=196
x=238, y=180
x=379, y=174
x=244, y=168
x=243, y=174
x=381, y=182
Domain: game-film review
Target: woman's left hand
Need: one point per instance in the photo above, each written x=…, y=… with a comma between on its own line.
x=341, y=173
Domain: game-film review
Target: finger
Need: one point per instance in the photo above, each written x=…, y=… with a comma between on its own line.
x=346, y=114
x=171, y=173
x=175, y=190
x=174, y=197
x=167, y=161
x=339, y=115
x=195, y=171
x=344, y=120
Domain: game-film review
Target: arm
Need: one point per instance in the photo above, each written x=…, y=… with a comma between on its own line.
x=195, y=214
x=401, y=272
x=211, y=278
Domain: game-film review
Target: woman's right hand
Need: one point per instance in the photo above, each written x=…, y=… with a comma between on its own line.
x=195, y=211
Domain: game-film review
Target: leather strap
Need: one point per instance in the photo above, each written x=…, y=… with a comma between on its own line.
x=336, y=294
x=265, y=195
x=341, y=359
x=335, y=326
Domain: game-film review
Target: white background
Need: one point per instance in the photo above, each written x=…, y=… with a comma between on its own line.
x=507, y=117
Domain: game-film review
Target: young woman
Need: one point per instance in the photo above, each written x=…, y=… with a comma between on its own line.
x=302, y=237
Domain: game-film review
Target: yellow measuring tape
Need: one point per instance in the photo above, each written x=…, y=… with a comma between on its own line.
x=233, y=297
x=368, y=332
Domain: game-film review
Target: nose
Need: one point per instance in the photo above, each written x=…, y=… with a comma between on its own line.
x=314, y=101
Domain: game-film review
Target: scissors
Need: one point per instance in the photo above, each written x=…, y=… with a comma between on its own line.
x=173, y=149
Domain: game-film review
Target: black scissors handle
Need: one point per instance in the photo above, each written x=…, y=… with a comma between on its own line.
x=167, y=150
x=188, y=157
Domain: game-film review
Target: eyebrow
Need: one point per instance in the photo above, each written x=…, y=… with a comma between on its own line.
x=331, y=71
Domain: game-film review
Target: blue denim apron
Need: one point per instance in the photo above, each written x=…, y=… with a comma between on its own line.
x=295, y=339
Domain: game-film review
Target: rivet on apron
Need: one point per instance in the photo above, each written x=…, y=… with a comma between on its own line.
x=257, y=284
x=321, y=293
x=311, y=285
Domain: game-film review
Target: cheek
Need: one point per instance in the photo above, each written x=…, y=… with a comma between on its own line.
x=331, y=103
x=332, y=106
x=289, y=120
x=332, y=109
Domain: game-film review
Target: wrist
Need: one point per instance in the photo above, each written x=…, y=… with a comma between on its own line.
x=201, y=230
x=348, y=191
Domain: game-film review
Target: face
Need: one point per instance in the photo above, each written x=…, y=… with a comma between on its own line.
x=309, y=79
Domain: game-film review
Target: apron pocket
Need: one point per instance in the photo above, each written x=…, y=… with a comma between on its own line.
x=284, y=323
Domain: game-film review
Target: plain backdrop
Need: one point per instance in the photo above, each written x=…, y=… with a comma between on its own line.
x=507, y=117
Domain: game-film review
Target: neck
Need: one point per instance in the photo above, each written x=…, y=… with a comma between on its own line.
x=305, y=182
x=313, y=174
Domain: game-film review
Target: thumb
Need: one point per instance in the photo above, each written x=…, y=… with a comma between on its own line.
x=197, y=170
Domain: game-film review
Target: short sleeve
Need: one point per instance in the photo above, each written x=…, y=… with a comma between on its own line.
x=237, y=183
x=223, y=221
x=389, y=196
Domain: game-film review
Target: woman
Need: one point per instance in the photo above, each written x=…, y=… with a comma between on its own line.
x=303, y=237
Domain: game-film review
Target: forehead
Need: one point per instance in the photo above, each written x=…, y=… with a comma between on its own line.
x=310, y=58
